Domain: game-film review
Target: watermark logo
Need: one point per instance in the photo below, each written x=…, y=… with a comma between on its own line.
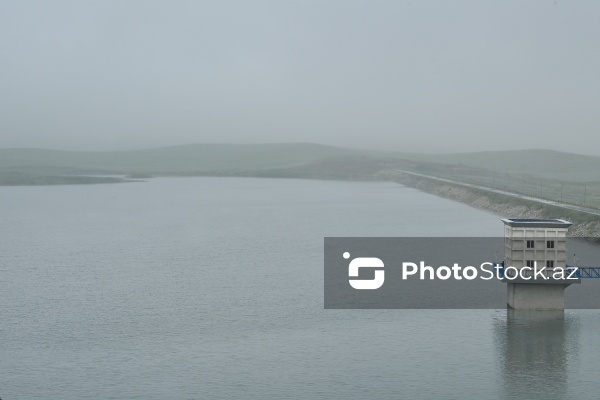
x=365, y=262
x=431, y=273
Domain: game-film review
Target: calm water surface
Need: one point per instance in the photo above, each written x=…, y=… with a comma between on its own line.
x=212, y=288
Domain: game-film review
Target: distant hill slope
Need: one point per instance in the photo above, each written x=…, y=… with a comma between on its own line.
x=196, y=158
x=544, y=163
x=291, y=160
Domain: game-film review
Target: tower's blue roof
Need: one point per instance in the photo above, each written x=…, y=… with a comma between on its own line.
x=538, y=223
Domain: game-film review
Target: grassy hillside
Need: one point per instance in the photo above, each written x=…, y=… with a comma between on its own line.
x=542, y=163
x=547, y=174
x=171, y=160
x=294, y=160
x=28, y=179
x=216, y=158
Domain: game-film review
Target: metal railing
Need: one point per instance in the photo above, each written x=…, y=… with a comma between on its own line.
x=587, y=272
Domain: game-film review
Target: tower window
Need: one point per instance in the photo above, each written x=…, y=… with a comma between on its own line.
x=530, y=263
x=550, y=244
x=550, y=264
x=530, y=244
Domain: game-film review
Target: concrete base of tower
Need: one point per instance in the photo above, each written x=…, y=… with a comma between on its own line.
x=534, y=296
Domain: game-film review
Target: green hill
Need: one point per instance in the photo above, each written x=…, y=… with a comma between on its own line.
x=294, y=160
x=542, y=163
x=524, y=170
x=197, y=158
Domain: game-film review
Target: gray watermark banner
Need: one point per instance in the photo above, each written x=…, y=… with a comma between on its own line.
x=444, y=273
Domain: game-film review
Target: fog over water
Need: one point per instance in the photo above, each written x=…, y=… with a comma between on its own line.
x=159, y=258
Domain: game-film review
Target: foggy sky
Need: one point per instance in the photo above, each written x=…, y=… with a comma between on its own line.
x=429, y=76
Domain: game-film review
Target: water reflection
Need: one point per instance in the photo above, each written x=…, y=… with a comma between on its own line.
x=534, y=353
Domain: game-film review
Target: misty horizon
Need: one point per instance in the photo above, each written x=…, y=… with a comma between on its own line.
x=383, y=150
x=212, y=199
x=397, y=76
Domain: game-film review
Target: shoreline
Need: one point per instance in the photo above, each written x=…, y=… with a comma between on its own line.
x=584, y=225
